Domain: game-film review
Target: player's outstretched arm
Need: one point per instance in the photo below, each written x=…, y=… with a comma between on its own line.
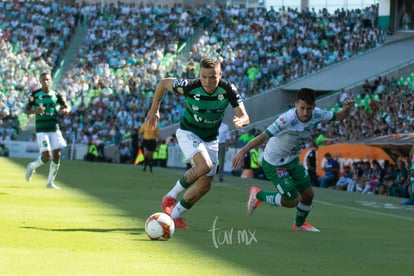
x=239, y=156
x=346, y=110
x=153, y=114
x=241, y=118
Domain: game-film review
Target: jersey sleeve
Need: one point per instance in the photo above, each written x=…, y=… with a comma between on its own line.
x=32, y=98
x=282, y=122
x=233, y=95
x=61, y=100
x=184, y=86
x=325, y=115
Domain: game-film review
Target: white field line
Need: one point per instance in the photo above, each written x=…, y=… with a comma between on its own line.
x=367, y=211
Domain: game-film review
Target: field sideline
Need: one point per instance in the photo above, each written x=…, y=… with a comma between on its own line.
x=94, y=226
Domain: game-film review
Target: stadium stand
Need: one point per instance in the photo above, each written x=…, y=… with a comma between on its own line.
x=117, y=64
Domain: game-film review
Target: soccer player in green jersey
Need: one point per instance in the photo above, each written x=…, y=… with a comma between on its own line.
x=43, y=103
x=207, y=99
x=286, y=137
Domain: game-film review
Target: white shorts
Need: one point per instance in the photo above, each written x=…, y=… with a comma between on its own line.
x=49, y=141
x=190, y=144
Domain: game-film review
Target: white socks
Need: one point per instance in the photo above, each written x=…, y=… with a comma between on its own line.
x=52, y=172
x=178, y=211
x=304, y=207
x=37, y=163
x=274, y=199
x=176, y=190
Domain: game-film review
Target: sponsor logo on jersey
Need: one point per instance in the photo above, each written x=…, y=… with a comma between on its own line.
x=180, y=82
x=197, y=118
x=281, y=172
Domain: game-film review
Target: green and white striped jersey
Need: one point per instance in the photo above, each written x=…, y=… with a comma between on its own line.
x=48, y=121
x=204, y=112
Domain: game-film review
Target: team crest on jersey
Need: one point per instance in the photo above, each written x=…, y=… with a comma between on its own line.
x=282, y=120
x=195, y=143
x=281, y=172
x=220, y=97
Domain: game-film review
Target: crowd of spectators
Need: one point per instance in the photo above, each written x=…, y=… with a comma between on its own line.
x=372, y=177
x=261, y=49
x=112, y=79
x=33, y=37
x=128, y=48
x=382, y=107
x=119, y=63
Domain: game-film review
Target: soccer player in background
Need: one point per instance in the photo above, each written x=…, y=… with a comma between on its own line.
x=150, y=137
x=223, y=140
x=44, y=104
x=410, y=201
x=207, y=98
x=286, y=137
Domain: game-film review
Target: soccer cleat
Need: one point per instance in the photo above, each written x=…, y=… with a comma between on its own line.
x=306, y=227
x=180, y=223
x=409, y=201
x=253, y=202
x=29, y=173
x=167, y=204
x=52, y=186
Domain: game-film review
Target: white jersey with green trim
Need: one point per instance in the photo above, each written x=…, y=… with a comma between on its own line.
x=288, y=135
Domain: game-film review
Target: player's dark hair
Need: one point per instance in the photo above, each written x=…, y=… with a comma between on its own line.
x=307, y=95
x=209, y=63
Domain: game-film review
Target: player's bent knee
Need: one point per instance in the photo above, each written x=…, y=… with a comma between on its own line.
x=205, y=168
x=291, y=203
x=307, y=195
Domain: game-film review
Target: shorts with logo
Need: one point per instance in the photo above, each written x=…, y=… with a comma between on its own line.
x=289, y=179
x=190, y=144
x=49, y=141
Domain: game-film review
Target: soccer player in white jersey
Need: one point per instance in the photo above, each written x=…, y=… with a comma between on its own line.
x=410, y=200
x=286, y=137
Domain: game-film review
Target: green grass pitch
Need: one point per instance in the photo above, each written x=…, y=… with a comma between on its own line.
x=95, y=226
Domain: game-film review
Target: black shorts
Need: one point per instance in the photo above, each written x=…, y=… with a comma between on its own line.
x=149, y=144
